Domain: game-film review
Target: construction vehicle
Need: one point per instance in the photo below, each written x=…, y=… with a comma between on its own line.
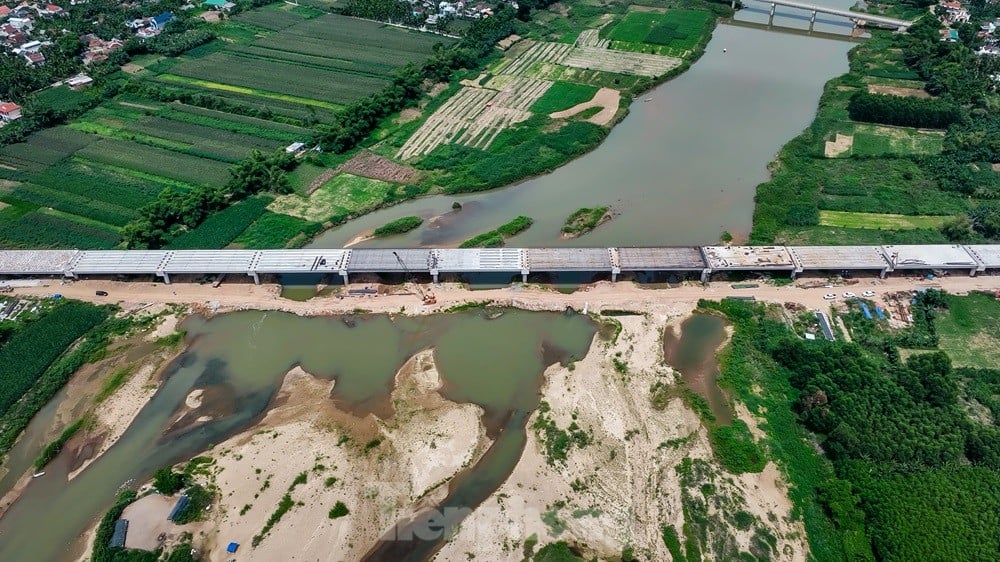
x=428, y=297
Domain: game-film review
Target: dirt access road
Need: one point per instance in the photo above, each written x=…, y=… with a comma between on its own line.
x=601, y=295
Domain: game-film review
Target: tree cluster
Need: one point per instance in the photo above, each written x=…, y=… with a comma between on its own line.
x=175, y=211
x=393, y=11
x=902, y=111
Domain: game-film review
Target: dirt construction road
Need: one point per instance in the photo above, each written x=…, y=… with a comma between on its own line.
x=602, y=295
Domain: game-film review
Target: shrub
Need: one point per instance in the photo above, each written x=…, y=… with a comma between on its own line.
x=339, y=510
x=399, y=226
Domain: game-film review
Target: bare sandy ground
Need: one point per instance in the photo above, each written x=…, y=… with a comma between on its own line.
x=605, y=98
x=840, y=145
x=147, y=518
x=620, y=489
x=245, y=296
x=426, y=442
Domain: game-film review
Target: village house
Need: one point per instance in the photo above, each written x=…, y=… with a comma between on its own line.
x=98, y=49
x=954, y=13
x=4, y=11
x=146, y=28
x=9, y=111
x=219, y=5
x=79, y=82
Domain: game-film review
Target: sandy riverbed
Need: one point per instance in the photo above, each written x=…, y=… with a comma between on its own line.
x=383, y=470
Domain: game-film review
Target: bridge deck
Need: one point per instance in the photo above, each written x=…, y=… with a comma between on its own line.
x=936, y=256
x=874, y=18
x=986, y=254
x=839, y=257
x=708, y=259
x=650, y=259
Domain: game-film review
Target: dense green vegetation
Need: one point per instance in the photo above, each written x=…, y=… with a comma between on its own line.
x=899, y=170
x=557, y=441
x=284, y=505
x=29, y=353
x=563, y=95
x=910, y=473
x=55, y=447
x=496, y=237
x=16, y=418
x=398, y=226
x=339, y=510
x=199, y=498
x=584, y=219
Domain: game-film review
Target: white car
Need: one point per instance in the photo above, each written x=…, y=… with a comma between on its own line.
x=868, y=294
x=829, y=296
x=849, y=295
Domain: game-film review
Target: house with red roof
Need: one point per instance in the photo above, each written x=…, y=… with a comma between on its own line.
x=9, y=111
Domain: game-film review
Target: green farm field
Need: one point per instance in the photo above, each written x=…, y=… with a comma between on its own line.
x=879, y=221
x=324, y=62
x=673, y=32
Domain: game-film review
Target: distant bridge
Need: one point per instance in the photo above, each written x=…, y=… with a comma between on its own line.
x=857, y=17
x=704, y=261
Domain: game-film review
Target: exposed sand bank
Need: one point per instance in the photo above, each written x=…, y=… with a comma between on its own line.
x=606, y=98
x=383, y=471
x=622, y=487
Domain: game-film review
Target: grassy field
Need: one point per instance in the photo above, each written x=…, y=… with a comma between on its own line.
x=344, y=195
x=673, y=32
x=879, y=221
x=881, y=140
x=967, y=330
x=563, y=95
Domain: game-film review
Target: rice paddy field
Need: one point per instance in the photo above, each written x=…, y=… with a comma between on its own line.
x=671, y=32
x=78, y=185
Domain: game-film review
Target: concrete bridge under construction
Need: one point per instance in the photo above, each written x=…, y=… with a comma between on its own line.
x=858, y=18
x=702, y=261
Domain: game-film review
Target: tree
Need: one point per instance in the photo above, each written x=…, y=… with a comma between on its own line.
x=168, y=482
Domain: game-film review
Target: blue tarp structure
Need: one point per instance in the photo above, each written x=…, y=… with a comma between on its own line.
x=880, y=312
x=866, y=311
x=181, y=504
x=118, y=537
x=232, y=547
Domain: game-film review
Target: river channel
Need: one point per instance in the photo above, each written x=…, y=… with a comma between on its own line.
x=496, y=364
x=680, y=169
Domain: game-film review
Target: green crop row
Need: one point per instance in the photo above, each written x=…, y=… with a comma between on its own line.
x=157, y=161
x=220, y=229
x=234, y=123
x=38, y=229
x=30, y=351
x=71, y=203
x=274, y=230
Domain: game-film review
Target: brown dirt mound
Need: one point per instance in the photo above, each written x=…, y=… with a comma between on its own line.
x=377, y=167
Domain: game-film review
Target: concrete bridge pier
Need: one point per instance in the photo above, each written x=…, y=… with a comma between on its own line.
x=256, y=277
x=615, y=271
x=706, y=274
x=434, y=276
x=812, y=20
x=770, y=16
x=165, y=276
x=343, y=275
x=524, y=275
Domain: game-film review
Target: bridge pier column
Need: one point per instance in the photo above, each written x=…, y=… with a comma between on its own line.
x=524, y=275
x=733, y=5
x=166, y=277
x=615, y=271
x=705, y=274
x=770, y=17
x=434, y=276
x=343, y=275
x=256, y=278
x=884, y=272
x=812, y=20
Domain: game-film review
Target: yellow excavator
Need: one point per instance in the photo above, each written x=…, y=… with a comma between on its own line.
x=428, y=297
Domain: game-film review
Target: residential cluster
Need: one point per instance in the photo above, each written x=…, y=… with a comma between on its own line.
x=433, y=12
x=17, y=25
x=953, y=14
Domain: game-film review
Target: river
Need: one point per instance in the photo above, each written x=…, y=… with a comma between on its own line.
x=496, y=364
x=680, y=169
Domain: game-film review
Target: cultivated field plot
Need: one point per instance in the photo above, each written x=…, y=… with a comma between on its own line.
x=475, y=116
x=879, y=221
x=624, y=62
x=41, y=150
x=881, y=140
x=591, y=38
x=129, y=155
x=326, y=62
x=552, y=53
x=343, y=195
x=674, y=32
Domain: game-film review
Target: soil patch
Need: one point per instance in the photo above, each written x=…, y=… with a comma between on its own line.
x=838, y=146
x=407, y=115
x=147, y=519
x=895, y=91
x=370, y=165
x=605, y=98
